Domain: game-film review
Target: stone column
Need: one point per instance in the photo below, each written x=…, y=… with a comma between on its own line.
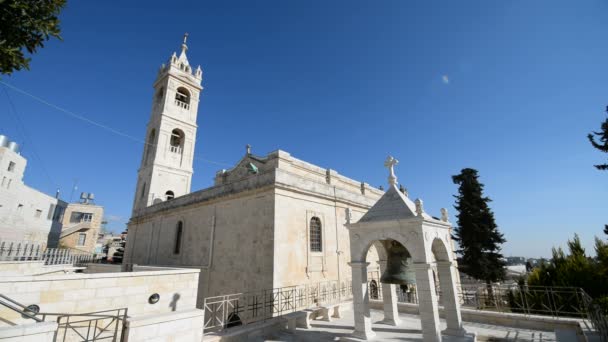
x=363, y=320
x=447, y=278
x=427, y=299
x=389, y=299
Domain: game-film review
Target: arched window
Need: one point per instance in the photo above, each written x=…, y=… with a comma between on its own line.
x=143, y=190
x=373, y=289
x=182, y=98
x=178, y=237
x=150, y=145
x=316, y=239
x=177, y=141
x=169, y=195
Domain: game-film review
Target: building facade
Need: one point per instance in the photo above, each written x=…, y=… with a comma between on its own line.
x=166, y=164
x=271, y=221
x=80, y=226
x=26, y=214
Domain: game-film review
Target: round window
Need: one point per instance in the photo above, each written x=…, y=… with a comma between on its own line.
x=153, y=299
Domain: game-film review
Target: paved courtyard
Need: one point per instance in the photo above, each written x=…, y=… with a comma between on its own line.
x=408, y=330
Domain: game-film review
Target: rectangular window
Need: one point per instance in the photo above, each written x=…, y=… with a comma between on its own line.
x=87, y=217
x=9, y=183
x=11, y=166
x=82, y=237
x=3, y=180
x=38, y=213
x=78, y=217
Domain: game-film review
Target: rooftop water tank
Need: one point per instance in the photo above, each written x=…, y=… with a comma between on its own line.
x=13, y=146
x=3, y=141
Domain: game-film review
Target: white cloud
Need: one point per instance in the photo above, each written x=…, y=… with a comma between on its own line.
x=445, y=79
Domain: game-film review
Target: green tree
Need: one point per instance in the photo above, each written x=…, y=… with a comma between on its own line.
x=24, y=27
x=476, y=232
x=602, y=143
x=576, y=269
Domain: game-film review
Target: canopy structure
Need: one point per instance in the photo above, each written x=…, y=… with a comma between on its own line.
x=396, y=219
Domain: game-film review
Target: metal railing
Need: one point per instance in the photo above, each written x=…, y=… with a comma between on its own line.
x=223, y=312
x=96, y=326
x=29, y=251
x=17, y=251
x=82, y=327
x=67, y=256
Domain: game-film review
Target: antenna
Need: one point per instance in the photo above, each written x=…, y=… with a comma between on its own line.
x=74, y=188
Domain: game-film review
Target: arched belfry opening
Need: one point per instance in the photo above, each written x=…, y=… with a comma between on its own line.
x=182, y=98
x=410, y=244
x=176, y=143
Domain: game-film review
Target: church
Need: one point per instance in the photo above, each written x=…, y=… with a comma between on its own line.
x=270, y=221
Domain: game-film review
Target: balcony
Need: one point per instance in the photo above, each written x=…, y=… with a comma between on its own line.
x=175, y=149
x=182, y=104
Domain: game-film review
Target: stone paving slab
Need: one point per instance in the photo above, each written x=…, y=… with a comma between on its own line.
x=408, y=330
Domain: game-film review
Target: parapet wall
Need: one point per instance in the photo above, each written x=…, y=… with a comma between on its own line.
x=81, y=293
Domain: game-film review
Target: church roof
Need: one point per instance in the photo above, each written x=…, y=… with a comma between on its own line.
x=393, y=205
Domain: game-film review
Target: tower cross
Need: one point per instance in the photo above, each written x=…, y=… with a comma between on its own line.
x=390, y=163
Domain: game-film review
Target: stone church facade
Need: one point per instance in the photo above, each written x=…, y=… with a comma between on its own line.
x=271, y=221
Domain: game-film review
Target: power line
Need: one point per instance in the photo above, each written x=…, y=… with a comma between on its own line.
x=25, y=136
x=95, y=123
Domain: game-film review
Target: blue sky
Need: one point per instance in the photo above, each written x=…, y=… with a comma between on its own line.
x=509, y=88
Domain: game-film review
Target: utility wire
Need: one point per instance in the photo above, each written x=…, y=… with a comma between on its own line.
x=100, y=125
x=26, y=138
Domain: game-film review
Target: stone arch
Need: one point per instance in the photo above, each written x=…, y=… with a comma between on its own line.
x=440, y=250
x=413, y=244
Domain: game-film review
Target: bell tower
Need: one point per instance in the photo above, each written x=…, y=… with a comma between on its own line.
x=166, y=165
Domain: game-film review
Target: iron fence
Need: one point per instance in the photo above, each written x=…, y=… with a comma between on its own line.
x=223, y=312
x=106, y=325
x=20, y=251
x=31, y=251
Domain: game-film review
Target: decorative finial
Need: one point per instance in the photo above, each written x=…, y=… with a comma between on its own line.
x=390, y=164
x=184, y=46
x=248, y=148
x=444, y=215
x=419, y=206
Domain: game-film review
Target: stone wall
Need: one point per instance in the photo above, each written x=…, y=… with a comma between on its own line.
x=33, y=332
x=17, y=268
x=229, y=240
x=184, y=325
x=80, y=293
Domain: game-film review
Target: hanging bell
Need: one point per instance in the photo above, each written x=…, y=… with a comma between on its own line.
x=396, y=265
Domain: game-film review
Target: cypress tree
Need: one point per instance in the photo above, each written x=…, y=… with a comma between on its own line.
x=602, y=143
x=477, y=233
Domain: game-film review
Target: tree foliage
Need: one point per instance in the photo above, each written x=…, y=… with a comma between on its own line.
x=576, y=269
x=477, y=232
x=602, y=141
x=24, y=27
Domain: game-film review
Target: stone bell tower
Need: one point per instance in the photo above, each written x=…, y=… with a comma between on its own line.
x=166, y=164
